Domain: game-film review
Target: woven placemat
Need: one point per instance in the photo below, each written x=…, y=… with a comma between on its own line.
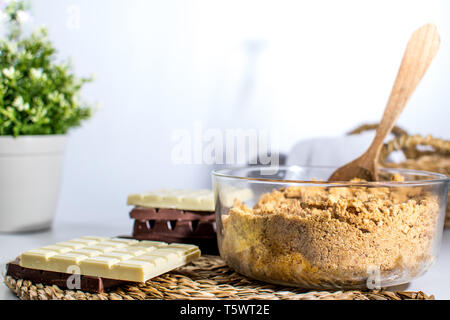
x=206, y=278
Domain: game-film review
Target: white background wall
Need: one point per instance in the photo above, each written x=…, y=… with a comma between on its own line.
x=299, y=68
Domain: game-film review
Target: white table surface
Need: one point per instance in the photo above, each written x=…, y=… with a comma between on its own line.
x=436, y=281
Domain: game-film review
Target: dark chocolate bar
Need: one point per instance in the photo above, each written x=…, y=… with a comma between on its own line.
x=87, y=283
x=141, y=213
x=173, y=225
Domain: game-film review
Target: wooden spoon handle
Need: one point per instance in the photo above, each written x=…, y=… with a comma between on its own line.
x=421, y=49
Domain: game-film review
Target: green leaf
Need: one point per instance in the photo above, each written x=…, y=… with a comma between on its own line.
x=37, y=94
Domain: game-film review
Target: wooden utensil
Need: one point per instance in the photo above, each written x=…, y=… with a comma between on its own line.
x=421, y=49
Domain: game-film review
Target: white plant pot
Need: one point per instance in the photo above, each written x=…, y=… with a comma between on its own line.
x=30, y=177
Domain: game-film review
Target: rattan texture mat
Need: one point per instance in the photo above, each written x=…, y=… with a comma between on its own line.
x=204, y=279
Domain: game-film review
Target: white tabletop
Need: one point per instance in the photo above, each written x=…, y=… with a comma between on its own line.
x=436, y=281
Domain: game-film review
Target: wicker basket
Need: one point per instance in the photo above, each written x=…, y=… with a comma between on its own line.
x=206, y=278
x=421, y=152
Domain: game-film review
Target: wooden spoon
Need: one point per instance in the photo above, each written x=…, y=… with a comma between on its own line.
x=421, y=49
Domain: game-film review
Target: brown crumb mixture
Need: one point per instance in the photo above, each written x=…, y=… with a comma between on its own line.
x=332, y=237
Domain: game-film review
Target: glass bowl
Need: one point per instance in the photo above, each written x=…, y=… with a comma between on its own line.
x=289, y=226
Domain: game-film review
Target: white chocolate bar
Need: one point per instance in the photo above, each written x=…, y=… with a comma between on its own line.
x=195, y=200
x=229, y=194
x=120, y=259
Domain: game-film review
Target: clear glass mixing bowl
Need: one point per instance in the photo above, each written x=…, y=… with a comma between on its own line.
x=290, y=226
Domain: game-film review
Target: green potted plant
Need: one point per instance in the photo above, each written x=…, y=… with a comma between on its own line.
x=39, y=103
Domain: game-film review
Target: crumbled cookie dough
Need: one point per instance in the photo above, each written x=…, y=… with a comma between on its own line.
x=320, y=237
